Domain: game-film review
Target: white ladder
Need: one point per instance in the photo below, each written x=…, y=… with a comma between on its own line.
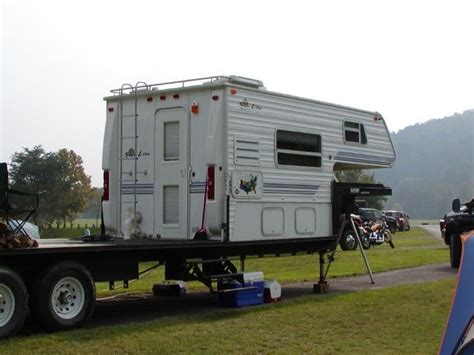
x=131, y=90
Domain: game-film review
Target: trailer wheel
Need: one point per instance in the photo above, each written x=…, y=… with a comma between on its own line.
x=65, y=297
x=13, y=302
x=455, y=250
x=348, y=240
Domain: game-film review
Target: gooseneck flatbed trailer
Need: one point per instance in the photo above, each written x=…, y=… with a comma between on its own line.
x=195, y=177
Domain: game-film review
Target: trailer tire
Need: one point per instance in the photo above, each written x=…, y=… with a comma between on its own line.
x=348, y=240
x=455, y=248
x=65, y=297
x=13, y=302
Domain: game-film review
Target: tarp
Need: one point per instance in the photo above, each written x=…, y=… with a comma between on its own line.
x=458, y=335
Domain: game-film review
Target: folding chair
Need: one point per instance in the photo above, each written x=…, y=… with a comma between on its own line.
x=16, y=215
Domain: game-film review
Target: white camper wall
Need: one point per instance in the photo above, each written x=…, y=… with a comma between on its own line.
x=294, y=201
x=206, y=146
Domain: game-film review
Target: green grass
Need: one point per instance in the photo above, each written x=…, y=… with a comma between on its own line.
x=83, y=222
x=413, y=248
x=424, y=221
x=399, y=320
x=76, y=231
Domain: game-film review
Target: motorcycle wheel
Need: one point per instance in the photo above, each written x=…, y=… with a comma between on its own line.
x=364, y=239
x=390, y=242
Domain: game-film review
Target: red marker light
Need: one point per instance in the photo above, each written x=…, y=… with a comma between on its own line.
x=105, y=194
x=110, y=109
x=162, y=97
x=211, y=178
x=176, y=96
x=149, y=99
x=195, y=108
x=215, y=97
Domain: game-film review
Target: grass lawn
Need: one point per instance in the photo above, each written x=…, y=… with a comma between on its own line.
x=413, y=248
x=424, y=221
x=399, y=320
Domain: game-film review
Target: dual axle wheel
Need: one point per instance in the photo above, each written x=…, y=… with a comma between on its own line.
x=62, y=297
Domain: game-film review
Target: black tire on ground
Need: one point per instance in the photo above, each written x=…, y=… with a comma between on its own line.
x=455, y=249
x=401, y=228
x=13, y=302
x=390, y=242
x=64, y=297
x=348, y=240
x=407, y=228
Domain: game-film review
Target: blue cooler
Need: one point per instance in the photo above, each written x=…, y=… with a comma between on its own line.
x=235, y=294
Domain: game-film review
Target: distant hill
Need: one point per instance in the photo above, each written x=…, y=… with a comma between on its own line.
x=435, y=163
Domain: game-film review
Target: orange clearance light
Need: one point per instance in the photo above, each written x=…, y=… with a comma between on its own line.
x=110, y=109
x=194, y=108
x=233, y=91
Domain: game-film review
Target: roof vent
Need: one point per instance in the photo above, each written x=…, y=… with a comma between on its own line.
x=240, y=80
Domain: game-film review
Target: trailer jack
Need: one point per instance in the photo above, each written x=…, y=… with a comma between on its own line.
x=322, y=286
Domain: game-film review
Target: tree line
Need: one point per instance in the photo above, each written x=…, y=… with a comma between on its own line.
x=59, y=177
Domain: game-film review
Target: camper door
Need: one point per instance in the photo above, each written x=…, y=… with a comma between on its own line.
x=171, y=173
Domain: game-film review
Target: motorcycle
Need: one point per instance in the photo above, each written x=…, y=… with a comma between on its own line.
x=377, y=233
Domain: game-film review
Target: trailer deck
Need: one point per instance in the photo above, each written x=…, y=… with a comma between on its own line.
x=184, y=248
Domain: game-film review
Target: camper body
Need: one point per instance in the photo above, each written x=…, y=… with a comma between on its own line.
x=253, y=164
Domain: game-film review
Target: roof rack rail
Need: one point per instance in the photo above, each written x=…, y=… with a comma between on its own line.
x=168, y=85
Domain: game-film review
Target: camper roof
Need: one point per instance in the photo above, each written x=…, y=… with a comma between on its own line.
x=211, y=80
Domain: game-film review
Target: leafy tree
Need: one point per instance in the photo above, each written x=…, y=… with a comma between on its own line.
x=92, y=209
x=59, y=177
x=73, y=185
x=357, y=175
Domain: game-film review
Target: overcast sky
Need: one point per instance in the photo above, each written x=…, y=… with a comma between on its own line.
x=409, y=60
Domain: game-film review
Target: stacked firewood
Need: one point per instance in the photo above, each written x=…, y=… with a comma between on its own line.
x=10, y=240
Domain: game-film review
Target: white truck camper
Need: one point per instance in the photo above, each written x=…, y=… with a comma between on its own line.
x=198, y=174
x=226, y=154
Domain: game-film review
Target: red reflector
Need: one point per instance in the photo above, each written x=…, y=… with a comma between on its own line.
x=110, y=109
x=195, y=108
x=215, y=97
x=176, y=96
x=105, y=194
x=211, y=179
x=149, y=99
x=233, y=91
x=162, y=97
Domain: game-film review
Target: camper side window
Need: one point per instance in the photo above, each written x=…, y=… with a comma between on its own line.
x=354, y=132
x=298, y=149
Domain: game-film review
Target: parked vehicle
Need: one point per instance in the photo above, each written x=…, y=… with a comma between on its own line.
x=453, y=224
x=402, y=218
x=375, y=215
x=378, y=233
x=247, y=170
x=348, y=239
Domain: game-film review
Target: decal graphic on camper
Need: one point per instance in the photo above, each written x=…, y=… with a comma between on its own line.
x=246, y=105
x=249, y=185
x=131, y=153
